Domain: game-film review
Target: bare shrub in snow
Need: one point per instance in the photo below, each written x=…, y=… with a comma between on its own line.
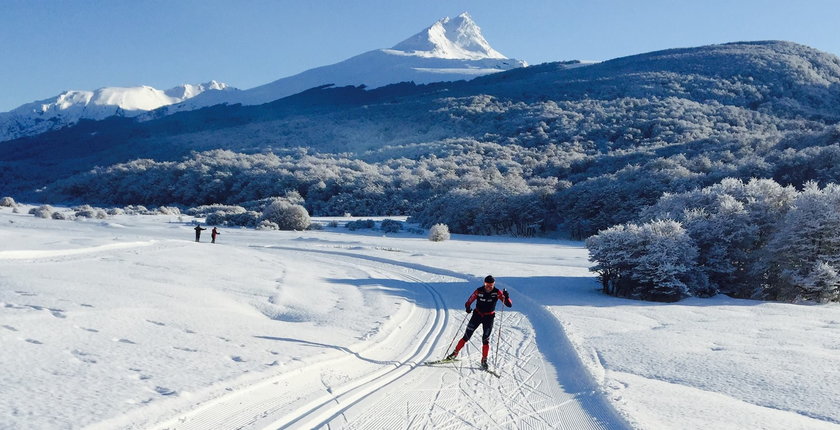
x=439, y=233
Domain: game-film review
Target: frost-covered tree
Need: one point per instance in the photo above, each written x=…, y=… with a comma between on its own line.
x=287, y=216
x=652, y=261
x=439, y=233
x=805, y=251
x=7, y=202
x=730, y=222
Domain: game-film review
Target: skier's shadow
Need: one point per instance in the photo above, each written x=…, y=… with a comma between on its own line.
x=324, y=345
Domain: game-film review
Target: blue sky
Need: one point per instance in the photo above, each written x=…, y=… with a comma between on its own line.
x=49, y=46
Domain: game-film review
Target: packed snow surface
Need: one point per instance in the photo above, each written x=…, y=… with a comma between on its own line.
x=129, y=323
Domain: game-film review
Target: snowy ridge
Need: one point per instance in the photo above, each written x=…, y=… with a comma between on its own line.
x=71, y=106
x=451, y=49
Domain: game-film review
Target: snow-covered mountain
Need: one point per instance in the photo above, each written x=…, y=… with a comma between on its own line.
x=450, y=49
x=71, y=106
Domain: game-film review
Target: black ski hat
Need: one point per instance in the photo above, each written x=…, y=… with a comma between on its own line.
x=489, y=279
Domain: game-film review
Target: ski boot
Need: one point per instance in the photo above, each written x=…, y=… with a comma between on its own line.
x=484, y=364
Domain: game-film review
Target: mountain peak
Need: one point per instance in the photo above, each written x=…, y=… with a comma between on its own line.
x=451, y=38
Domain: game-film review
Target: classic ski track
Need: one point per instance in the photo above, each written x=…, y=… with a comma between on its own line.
x=329, y=407
x=542, y=408
x=223, y=413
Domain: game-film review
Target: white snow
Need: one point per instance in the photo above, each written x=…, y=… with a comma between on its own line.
x=128, y=323
x=71, y=106
x=457, y=38
x=449, y=50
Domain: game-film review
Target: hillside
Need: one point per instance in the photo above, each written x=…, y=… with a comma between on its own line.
x=555, y=145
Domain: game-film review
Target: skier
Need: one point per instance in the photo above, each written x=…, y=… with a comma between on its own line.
x=213, y=234
x=198, y=229
x=485, y=297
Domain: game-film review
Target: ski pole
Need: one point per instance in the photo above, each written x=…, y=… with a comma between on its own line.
x=456, y=334
x=498, y=340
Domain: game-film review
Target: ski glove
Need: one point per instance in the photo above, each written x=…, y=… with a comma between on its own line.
x=507, y=296
x=469, y=310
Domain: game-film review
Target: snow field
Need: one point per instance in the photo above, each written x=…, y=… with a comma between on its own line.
x=128, y=323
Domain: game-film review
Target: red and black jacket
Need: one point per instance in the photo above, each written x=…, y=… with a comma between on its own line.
x=485, y=303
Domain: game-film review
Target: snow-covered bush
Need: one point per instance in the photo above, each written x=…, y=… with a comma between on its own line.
x=238, y=217
x=137, y=210
x=168, y=210
x=390, y=226
x=115, y=211
x=43, y=211
x=287, y=216
x=360, y=224
x=267, y=225
x=204, y=210
x=439, y=233
x=58, y=216
x=7, y=202
x=653, y=261
x=87, y=211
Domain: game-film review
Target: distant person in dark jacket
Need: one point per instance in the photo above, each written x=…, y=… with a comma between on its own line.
x=198, y=229
x=485, y=297
x=213, y=234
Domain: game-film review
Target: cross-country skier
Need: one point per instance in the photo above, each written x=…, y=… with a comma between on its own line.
x=214, y=233
x=198, y=229
x=485, y=298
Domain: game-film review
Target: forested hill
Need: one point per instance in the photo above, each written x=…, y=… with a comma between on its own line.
x=579, y=147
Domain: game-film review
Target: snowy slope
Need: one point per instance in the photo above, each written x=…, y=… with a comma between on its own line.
x=69, y=107
x=128, y=323
x=450, y=49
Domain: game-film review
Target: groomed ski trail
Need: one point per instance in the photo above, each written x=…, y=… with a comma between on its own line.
x=395, y=389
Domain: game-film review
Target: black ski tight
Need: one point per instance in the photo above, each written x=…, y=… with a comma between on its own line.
x=486, y=322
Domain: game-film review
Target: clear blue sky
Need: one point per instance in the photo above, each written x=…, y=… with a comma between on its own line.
x=49, y=46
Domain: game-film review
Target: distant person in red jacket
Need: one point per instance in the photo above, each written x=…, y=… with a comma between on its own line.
x=198, y=229
x=485, y=298
x=213, y=234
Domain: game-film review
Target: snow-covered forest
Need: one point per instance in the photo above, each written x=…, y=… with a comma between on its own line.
x=521, y=153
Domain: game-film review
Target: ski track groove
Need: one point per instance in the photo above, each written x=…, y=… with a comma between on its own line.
x=526, y=402
x=325, y=408
x=420, y=353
